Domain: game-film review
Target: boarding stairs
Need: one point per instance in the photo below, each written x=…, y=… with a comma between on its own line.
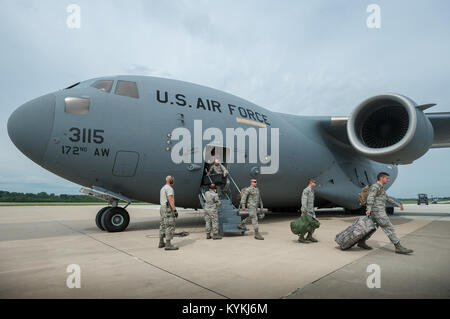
x=229, y=218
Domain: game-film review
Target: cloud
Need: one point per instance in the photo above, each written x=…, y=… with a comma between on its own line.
x=297, y=57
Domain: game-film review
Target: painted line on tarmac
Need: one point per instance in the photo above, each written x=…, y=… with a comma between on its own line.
x=142, y=260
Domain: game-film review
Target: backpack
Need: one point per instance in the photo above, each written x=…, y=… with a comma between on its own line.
x=364, y=193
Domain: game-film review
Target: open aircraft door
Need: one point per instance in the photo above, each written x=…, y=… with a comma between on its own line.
x=213, y=152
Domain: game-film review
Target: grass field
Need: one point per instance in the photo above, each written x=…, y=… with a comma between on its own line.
x=415, y=202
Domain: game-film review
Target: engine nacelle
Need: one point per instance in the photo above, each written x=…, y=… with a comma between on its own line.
x=389, y=128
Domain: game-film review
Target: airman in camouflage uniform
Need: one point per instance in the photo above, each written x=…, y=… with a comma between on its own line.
x=218, y=168
x=376, y=209
x=251, y=199
x=168, y=213
x=308, y=208
x=212, y=202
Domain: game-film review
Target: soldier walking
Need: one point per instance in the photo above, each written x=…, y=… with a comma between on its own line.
x=219, y=169
x=251, y=199
x=211, y=213
x=308, y=208
x=376, y=209
x=168, y=213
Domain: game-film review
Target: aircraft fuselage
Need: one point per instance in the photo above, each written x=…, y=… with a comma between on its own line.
x=125, y=144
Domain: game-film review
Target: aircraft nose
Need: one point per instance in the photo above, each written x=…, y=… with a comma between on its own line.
x=30, y=126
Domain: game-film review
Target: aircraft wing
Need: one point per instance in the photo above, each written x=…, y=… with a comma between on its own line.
x=441, y=125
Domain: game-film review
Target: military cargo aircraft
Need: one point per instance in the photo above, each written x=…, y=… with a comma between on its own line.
x=120, y=136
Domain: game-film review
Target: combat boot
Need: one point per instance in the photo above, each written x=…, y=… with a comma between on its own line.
x=363, y=245
x=161, y=242
x=242, y=226
x=301, y=239
x=208, y=236
x=399, y=249
x=216, y=236
x=311, y=238
x=258, y=235
x=169, y=246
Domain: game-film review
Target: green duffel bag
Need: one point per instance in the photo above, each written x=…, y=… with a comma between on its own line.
x=304, y=224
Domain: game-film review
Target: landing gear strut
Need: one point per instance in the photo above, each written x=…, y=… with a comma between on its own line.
x=110, y=218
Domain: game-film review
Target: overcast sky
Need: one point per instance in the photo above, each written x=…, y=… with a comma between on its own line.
x=300, y=57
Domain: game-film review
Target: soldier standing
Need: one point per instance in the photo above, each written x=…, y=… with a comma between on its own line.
x=218, y=168
x=168, y=213
x=211, y=213
x=251, y=199
x=308, y=208
x=376, y=209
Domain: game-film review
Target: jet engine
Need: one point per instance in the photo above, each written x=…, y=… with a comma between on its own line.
x=391, y=129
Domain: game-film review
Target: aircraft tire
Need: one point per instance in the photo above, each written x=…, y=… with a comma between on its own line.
x=115, y=219
x=390, y=210
x=98, y=218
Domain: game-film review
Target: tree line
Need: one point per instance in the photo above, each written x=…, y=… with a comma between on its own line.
x=43, y=197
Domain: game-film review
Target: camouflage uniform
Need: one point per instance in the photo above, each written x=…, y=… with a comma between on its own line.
x=220, y=169
x=217, y=169
x=253, y=199
x=167, y=216
x=376, y=204
x=211, y=212
x=308, y=201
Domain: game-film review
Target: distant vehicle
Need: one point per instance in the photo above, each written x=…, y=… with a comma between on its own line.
x=434, y=199
x=423, y=198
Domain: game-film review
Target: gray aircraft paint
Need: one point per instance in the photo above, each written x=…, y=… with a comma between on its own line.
x=135, y=133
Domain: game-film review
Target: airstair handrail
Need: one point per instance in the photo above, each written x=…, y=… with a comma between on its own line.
x=234, y=183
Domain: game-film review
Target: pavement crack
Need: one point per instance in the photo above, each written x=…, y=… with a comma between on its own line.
x=358, y=259
x=142, y=260
x=320, y=278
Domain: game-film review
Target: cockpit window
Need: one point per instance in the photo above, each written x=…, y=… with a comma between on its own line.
x=77, y=105
x=72, y=86
x=127, y=88
x=103, y=85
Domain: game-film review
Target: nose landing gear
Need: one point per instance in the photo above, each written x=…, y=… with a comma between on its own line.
x=110, y=218
x=98, y=218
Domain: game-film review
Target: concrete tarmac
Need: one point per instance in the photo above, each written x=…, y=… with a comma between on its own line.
x=38, y=243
